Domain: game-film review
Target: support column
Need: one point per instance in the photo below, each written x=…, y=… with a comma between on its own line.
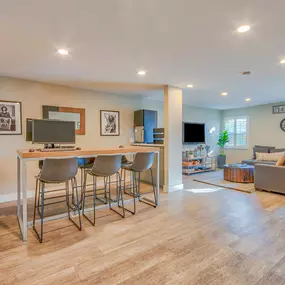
x=172, y=139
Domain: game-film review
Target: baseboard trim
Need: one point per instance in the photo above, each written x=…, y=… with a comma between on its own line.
x=12, y=197
x=5, y=198
x=173, y=188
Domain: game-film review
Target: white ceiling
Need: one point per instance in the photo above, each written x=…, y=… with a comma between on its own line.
x=177, y=41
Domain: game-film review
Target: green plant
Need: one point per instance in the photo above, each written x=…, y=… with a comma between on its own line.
x=223, y=140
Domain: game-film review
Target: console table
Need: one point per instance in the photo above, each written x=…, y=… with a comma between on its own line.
x=198, y=164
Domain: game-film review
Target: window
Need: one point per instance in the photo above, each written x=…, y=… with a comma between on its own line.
x=238, y=132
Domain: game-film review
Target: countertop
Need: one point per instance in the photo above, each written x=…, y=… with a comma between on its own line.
x=147, y=144
x=25, y=153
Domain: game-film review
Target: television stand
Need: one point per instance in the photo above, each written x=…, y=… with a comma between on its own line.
x=198, y=164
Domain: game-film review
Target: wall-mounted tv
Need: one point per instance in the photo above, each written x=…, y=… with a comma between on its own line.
x=193, y=133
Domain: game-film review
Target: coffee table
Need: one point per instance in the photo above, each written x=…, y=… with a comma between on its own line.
x=239, y=173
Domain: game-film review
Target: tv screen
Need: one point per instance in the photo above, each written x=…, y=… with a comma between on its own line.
x=53, y=131
x=193, y=133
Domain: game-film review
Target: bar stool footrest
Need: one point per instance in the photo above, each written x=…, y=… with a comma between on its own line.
x=148, y=202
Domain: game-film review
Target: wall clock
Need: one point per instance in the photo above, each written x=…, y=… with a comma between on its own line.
x=282, y=125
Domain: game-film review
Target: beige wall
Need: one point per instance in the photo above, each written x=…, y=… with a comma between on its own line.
x=33, y=95
x=264, y=129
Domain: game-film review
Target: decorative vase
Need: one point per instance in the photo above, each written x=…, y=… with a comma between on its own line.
x=187, y=154
x=221, y=161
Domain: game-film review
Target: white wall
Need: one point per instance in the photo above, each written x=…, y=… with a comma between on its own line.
x=34, y=94
x=264, y=129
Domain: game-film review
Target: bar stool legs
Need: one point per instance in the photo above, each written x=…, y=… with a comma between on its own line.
x=94, y=199
x=146, y=200
x=39, y=190
x=76, y=206
x=119, y=195
x=40, y=203
x=136, y=193
x=107, y=195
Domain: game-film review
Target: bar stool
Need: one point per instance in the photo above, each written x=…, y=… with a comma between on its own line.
x=55, y=171
x=143, y=161
x=125, y=162
x=86, y=164
x=105, y=166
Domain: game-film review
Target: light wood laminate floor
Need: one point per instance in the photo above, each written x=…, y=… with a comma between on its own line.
x=202, y=235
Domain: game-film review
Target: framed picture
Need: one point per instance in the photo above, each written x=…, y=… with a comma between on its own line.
x=10, y=118
x=109, y=123
x=280, y=109
x=76, y=115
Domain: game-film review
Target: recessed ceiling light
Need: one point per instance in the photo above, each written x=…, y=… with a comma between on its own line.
x=190, y=86
x=141, y=72
x=243, y=29
x=62, y=51
x=224, y=94
x=282, y=61
x=247, y=100
x=245, y=73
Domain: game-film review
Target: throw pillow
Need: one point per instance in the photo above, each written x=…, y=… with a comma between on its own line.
x=281, y=161
x=269, y=156
x=262, y=149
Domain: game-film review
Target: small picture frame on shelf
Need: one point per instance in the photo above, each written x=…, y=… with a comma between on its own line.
x=10, y=118
x=109, y=123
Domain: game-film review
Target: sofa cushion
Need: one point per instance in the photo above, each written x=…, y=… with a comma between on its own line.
x=269, y=156
x=254, y=161
x=262, y=149
x=281, y=161
x=249, y=161
x=277, y=150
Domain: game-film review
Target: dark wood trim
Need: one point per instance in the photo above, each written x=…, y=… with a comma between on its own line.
x=82, y=117
x=47, y=109
x=109, y=135
x=81, y=111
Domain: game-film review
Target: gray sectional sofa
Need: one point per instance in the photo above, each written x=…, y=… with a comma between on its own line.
x=267, y=176
x=262, y=149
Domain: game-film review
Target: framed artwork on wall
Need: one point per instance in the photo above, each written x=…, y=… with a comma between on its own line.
x=10, y=118
x=76, y=115
x=109, y=123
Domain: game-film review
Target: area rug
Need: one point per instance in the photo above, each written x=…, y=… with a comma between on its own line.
x=220, y=182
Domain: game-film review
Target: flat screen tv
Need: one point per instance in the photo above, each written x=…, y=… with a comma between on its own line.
x=193, y=133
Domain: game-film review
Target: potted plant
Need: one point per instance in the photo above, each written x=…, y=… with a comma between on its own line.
x=191, y=154
x=223, y=140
